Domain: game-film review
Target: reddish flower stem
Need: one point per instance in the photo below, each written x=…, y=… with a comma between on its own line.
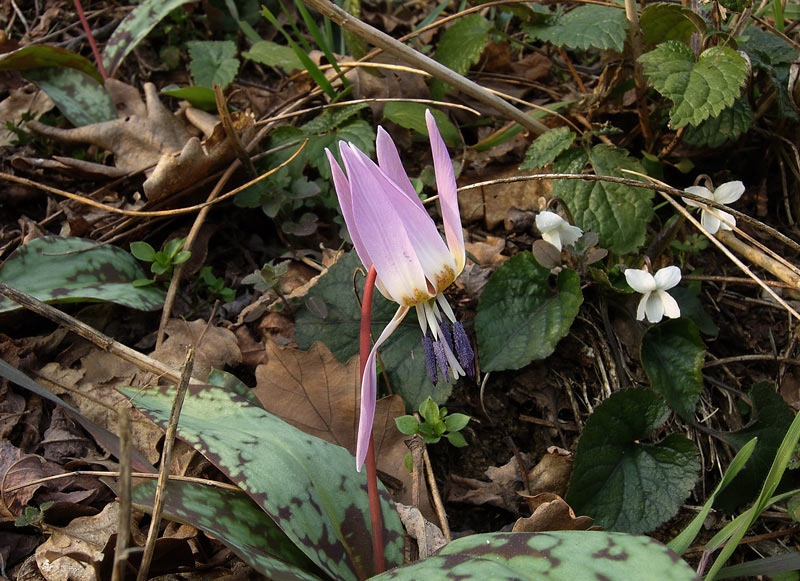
x=87, y=29
x=372, y=477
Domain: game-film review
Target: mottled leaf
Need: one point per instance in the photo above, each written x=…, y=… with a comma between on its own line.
x=584, y=27
x=402, y=354
x=672, y=356
x=618, y=213
x=213, y=61
x=661, y=22
x=622, y=482
x=460, y=47
x=273, y=54
x=699, y=88
x=307, y=486
x=80, y=98
x=412, y=116
x=77, y=270
x=43, y=56
x=238, y=522
x=727, y=126
x=559, y=555
x=547, y=147
x=134, y=28
x=521, y=317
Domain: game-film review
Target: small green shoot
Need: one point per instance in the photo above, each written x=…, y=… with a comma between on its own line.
x=32, y=516
x=214, y=286
x=435, y=425
x=162, y=261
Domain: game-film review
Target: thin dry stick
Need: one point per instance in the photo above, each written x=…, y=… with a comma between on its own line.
x=116, y=474
x=166, y=459
x=408, y=54
x=755, y=256
x=124, y=521
x=416, y=445
x=437, y=500
x=635, y=36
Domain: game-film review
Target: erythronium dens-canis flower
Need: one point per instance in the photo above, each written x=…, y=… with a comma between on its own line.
x=392, y=231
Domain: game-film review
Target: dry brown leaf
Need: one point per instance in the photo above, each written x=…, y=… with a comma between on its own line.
x=315, y=393
x=429, y=537
x=492, y=203
x=148, y=137
x=25, y=100
x=552, y=473
x=551, y=513
x=218, y=348
x=488, y=252
x=63, y=439
x=18, y=468
x=500, y=492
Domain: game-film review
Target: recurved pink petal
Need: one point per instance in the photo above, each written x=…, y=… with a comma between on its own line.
x=389, y=162
x=448, y=193
x=729, y=192
x=342, y=187
x=667, y=277
x=369, y=388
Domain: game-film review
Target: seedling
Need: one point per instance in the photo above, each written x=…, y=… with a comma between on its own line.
x=435, y=425
x=215, y=286
x=163, y=261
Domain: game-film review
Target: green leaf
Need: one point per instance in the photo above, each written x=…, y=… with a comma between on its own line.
x=521, y=317
x=584, y=27
x=547, y=147
x=692, y=308
x=456, y=422
x=134, y=28
x=408, y=425
x=622, y=482
x=402, y=354
x=43, y=56
x=700, y=88
x=672, y=356
x=213, y=61
x=143, y=251
x=412, y=116
x=727, y=126
x=556, y=556
x=618, y=213
x=273, y=54
x=460, y=47
x=310, y=488
x=770, y=418
x=661, y=22
x=429, y=411
x=238, y=522
x=80, y=98
x=77, y=270
x=457, y=439
x=200, y=97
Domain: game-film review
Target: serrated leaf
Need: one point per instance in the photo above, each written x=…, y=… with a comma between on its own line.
x=661, y=22
x=547, y=147
x=557, y=556
x=80, y=98
x=521, y=317
x=622, y=482
x=239, y=523
x=134, y=28
x=77, y=270
x=618, y=213
x=767, y=50
x=213, y=61
x=728, y=125
x=698, y=88
x=273, y=54
x=769, y=420
x=672, y=356
x=402, y=355
x=307, y=486
x=43, y=56
x=412, y=116
x=584, y=27
x=460, y=47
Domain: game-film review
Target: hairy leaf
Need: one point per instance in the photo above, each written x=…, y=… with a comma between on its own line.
x=622, y=482
x=77, y=270
x=402, y=354
x=672, y=356
x=307, y=486
x=273, y=54
x=412, y=116
x=698, y=88
x=661, y=22
x=618, y=213
x=134, y=28
x=460, y=47
x=238, y=522
x=213, y=61
x=584, y=27
x=728, y=125
x=559, y=555
x=520, y=317
x=547, y=147
x=80, y=98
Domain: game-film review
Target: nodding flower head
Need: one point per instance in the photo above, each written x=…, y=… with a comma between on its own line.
x=392, y=231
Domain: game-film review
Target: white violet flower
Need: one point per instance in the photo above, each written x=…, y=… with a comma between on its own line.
x=556, y=230
x=656, y=302
x=726, y=193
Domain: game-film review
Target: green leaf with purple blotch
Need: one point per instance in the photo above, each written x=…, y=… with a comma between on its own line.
x=56, y=269
x=556, y=556
x=41, y=56
x=239, y=523
x=309, y=487
x=81, y=99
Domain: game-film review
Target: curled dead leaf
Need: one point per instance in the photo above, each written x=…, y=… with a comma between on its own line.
x=551, y=513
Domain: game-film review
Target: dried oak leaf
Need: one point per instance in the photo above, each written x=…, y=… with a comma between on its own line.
x=429, y=537
x=214, y=347
x=551, y=513
x=500, y=492
x=17, y=468
x=150, y=138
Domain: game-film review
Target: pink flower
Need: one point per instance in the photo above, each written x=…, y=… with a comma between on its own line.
x=392, y=231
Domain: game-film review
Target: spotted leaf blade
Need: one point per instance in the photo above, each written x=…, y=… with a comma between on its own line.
x=307, y=486
x=557, y=556
x=237, y=521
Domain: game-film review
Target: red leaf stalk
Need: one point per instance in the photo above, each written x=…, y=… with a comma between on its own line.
x=87, y=29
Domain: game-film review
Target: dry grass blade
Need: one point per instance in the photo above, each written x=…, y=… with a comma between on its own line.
x=124, y=526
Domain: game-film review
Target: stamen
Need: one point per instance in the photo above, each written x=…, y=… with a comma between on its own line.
x=446, y=335
x=434, y=324
x=423, y=323
x=445, y=307
x=430, y=358
x=464, y=352
x=441, y=351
